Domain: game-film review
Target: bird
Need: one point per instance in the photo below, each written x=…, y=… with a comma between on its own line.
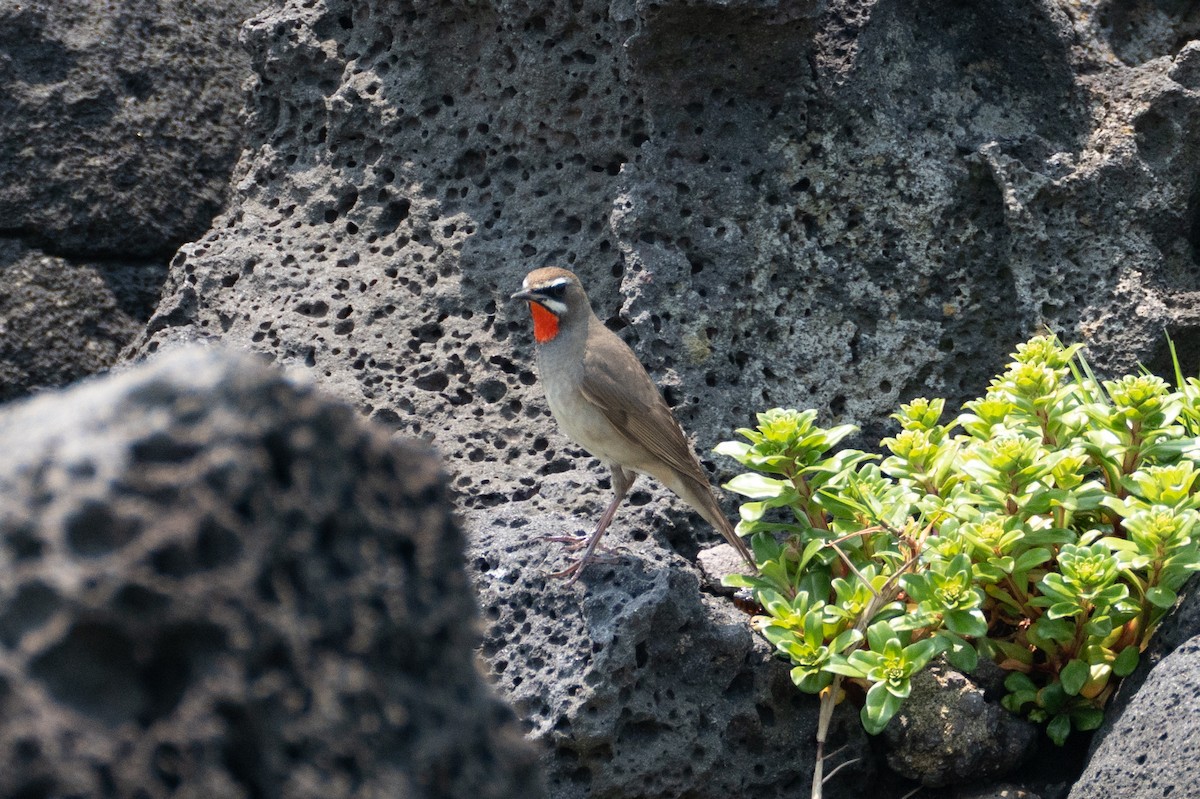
x=604, y=401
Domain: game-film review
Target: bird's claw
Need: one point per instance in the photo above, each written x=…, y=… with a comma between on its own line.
x=572, y=542
x=572, y=572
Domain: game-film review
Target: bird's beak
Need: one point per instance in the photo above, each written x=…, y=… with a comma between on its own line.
x=524, y=294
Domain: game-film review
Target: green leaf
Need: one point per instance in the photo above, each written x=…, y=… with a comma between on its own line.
x=1058, y=630
x=1099, y=626
x=913, y=620
x=1087, y=718
x=1032, y=558
x=1062, y=610
x=1007, y=651
x=811, y=681
x=751, y=484
x=918, y=655
x=845, y=640
x=842, y=506
x=966, y=622
x=916, y=584
x=733, y=449
x=810, y=549
x=961, y=655
x=843, y=666
x=1015, y=703
x=835, y=434
x=1056, y=589
x=1003, y=597
x=752, y=511
x=1126, y=662
x=1073, y=676
x=880, y=706
x=1119, y=544
x=739, y=581
x=1161, y=597
x=1019, y=682
x=879, y=635
x=1053, y=698
x=1059, y=728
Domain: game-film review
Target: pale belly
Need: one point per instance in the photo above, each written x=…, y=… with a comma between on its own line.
x=584, y=424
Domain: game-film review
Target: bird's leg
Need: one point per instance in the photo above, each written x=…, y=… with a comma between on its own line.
x=622, y=480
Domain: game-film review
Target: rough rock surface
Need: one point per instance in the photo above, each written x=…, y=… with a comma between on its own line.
x=947, y=732
x=61, y=320
x=636, y=666
x=214, y=582
x=119, y=128
x=835, y=204
x=1148, y=748
x=118, y=122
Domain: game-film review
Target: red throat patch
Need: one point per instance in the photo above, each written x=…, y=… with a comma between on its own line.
x=545, y=324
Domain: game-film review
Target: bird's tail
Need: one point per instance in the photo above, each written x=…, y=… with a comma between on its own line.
x=700, y=496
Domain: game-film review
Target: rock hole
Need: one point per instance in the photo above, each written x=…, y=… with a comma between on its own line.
x=29, y=609
x=92, y=670
x=163, y=448
x=94, y=530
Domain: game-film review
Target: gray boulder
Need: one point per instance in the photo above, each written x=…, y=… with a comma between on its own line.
x=638, y=682
x=62, y=320
x=119, y=130
x=948, y=733
x=1147, y=744
x=216, y=582
x=118, y=122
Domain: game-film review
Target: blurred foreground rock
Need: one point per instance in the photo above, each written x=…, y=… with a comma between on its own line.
x=217, y=583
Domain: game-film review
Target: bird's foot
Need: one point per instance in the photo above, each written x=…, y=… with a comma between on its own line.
x=574, y=542
x=571, y=542
x=572, y=572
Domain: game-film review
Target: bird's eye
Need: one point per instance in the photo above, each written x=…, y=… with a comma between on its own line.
x=557, y=291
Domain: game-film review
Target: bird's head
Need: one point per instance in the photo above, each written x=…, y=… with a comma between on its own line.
x=556, y=299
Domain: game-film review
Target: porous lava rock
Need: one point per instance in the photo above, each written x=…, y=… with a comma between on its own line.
x=1148, y=742
x=118, y=122
x=1148, y=746
x=62, y=320
x=641, y=684
x=835, y=205
x=216, y=582
x=948, y=732
x=838, y=205
x=119, y=128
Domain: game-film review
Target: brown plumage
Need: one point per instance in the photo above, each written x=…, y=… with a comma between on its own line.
x=605, y=402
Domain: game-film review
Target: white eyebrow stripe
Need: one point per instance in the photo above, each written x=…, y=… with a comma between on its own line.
x=558, y=281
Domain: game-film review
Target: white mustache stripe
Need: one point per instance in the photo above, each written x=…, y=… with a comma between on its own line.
x=553, y=306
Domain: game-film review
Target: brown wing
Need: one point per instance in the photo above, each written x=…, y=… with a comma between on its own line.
x=616, y=383
x=614, y=380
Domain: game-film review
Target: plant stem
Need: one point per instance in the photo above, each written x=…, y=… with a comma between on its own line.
x=828, y=702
